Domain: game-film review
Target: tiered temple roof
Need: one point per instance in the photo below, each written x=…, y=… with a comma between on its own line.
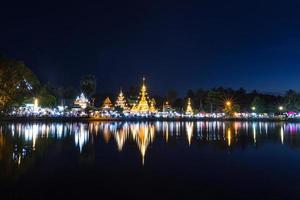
x=189, y=109
x=107, y=104
x=143, y=104
x=121, y=101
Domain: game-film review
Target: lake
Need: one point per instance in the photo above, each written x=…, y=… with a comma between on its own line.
x=162, y=160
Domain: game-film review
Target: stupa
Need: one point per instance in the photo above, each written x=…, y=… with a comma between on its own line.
x=142, y=105
x=189, y=109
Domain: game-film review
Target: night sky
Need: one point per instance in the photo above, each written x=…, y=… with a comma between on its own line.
x=251, y=44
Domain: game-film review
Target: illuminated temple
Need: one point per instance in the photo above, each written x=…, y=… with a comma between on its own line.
x=189, y=109
x=81, y=101
x=121, y=101
x=107, y=104
x=143, y=104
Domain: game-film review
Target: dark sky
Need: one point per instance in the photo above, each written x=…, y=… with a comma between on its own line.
x=252, y=44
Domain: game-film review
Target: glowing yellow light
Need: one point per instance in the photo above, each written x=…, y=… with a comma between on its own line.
x=228, y=103
x=253, y=108
x=280, y=108
x=229, y=136
x=36, y=102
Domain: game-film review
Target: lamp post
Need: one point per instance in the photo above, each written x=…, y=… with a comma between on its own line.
x=228, y=107
x=280, y=108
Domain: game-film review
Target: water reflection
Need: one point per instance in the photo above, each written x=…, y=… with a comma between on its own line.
x=19, y=142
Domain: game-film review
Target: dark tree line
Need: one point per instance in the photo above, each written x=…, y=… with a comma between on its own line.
x=214, y=100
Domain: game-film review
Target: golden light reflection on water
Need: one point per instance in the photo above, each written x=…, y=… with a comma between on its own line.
x=22, y=140
x=228, y=136
x=189, y=131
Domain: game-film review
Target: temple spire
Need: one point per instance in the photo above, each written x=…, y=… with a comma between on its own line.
x=189, y=109
x=121, y=101
x=142, y=105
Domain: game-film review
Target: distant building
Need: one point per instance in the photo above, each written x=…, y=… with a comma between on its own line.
x=107, y=104
x=82, y=101
x=121, y=101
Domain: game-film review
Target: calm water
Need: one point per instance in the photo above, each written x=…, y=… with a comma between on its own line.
x=237, y=160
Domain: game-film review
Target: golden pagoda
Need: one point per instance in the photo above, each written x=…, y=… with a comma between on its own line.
x=121, y=101
x=189, y=109
x=107, y=104
x=142, y=105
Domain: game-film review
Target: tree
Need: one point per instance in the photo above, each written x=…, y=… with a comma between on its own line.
x=200, y=98
x=88, y=85
x=171, y=96
x=258, y=104
x=64, y=95
x=45, y=98
x=17, y=82
x=291, y=101
x=178, y=104
x=214, y=99
x=190, y=94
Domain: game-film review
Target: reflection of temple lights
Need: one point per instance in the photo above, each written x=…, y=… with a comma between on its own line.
x=141, y=134
x=121, y=136
x=81, y=136
x=143, y=140
x=106, y=133
x=189, y=131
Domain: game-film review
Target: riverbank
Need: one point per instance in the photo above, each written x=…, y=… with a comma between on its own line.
x=91, y=119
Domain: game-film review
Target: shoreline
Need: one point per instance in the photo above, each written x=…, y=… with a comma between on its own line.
x=88, y=119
